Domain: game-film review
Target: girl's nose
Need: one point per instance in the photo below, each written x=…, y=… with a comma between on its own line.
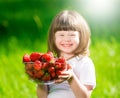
x=67, y=38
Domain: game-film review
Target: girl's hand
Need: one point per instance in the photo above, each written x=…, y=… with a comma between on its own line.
x=65, y=75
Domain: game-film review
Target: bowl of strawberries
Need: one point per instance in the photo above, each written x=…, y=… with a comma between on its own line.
x=44, y=68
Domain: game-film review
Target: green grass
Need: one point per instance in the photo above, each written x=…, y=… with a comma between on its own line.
x=13, y=81
x=106, y=58
x=15, y=84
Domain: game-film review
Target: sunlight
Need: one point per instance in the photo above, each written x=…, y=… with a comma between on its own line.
x=100, y=9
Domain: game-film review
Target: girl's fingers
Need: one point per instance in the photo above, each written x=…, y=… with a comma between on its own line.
x=66, y=75
x=59, y=80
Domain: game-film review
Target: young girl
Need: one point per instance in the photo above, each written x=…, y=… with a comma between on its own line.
x=69, y=37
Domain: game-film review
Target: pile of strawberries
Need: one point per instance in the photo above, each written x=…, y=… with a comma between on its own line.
x=43, y=67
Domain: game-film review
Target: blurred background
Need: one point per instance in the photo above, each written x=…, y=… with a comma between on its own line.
x=23, y=29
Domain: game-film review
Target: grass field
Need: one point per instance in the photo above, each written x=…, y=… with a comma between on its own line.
x=106, y=59
x=15, y=84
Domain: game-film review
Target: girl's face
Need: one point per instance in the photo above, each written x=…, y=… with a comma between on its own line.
x=67, y=41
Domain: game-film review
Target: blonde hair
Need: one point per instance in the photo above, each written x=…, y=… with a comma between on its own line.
x=70, y=21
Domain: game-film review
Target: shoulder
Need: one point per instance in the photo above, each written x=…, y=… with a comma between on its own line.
x=85, y=62
x=86, y=71
x=81, y=62
x=84, y=59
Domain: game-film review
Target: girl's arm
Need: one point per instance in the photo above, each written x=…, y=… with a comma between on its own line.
x=80, y=90
x=42, y=91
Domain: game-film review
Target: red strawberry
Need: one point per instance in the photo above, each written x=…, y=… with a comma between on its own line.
x=51, y=69
x=58, y=72
x=61, y=60
x=53, y=74
x=47, y=57
x=26, y=58
x=63, y=67
x=37, y=65
x=35, y=56
x=45, y=65
x=51, y=64
x=39, y=74
x=58, y=65
x=28, y=66
x=46, y=77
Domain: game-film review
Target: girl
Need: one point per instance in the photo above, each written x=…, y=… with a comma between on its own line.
x=69, y=37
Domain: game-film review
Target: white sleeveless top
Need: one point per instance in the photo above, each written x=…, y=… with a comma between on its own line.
x=84, y=70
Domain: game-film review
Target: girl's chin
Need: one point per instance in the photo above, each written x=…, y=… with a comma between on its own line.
x=67, y=51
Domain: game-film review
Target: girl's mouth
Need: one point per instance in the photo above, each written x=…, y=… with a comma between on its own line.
x=66, y=45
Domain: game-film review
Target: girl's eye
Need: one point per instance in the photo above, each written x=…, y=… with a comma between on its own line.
x=61, y=35
x=72, y=35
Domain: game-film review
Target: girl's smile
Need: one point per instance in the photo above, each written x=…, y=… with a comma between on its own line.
x=66, y=45
x=67, y=41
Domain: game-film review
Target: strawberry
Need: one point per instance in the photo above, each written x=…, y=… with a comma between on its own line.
x=53, y=74
x=61, y=60
x=35, y=56
x=47, y=57
x=37, y=65
x=39, y=74
x=58, y=72
x=51, y=64
x=26, y=58
x=58, y=65
x=28, y=66
x=44, y=65
x=46, y=77
x=63, y=66
x=51, y=69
